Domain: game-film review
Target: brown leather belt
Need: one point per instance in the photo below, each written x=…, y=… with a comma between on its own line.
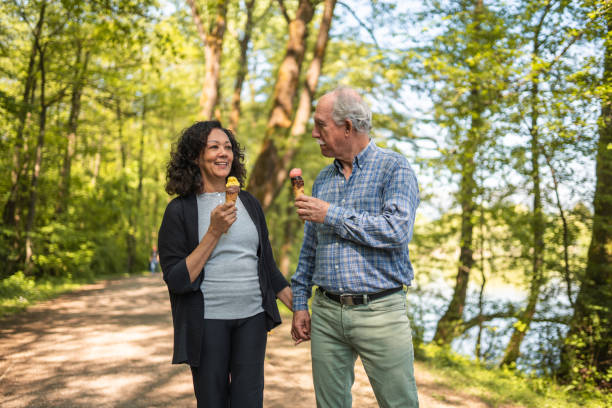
x=352, y=299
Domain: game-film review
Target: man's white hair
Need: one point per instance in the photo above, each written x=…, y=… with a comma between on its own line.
x=349, y=105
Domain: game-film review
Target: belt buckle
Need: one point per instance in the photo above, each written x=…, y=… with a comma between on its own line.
x=346, y=299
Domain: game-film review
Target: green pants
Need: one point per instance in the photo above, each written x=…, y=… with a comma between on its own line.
x=379, y=333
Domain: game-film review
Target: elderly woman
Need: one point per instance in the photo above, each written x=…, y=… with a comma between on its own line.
x=218, y=265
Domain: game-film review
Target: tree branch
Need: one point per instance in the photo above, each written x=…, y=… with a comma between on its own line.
x=508, y=314
x=281, y=4
x=475, y=321
x=197, y=20
x=361, y=23
x=566, y=274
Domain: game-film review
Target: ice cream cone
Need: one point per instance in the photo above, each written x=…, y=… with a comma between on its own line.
x=232, y=188
x=297, y=182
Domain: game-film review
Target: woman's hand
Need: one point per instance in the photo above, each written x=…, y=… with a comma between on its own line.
x=221, y=218
x=286, y=296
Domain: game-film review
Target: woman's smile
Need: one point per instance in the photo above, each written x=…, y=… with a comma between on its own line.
x=216, y=159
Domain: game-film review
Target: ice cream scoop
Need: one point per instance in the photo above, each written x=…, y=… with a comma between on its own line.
x=232, y=188
x=297, y=182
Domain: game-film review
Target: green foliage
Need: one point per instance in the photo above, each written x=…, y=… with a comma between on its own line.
x=63, y=251
x=582, y=347
x=19, y=291
x=17, y=285
x=502, y=387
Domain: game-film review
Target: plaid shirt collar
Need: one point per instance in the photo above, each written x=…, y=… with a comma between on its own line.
x=361, y=158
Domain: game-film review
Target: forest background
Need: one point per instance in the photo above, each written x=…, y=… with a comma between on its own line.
x=503, y=109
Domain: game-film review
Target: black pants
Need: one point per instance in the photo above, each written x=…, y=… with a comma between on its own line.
x=231, y=371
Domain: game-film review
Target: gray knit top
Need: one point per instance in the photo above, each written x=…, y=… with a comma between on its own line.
x=231, y=284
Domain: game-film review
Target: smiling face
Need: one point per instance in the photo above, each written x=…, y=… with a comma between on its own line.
x=215, y=161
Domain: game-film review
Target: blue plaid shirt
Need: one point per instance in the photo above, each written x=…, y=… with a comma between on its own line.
x=362, y=246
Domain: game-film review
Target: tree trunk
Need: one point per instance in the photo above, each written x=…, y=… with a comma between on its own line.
x=141, y=150
x=9, y=213
x=512, y=351
x=213, y=47
x=567, y=276
x=588, y=345
x=130, y=240
x=537, y=279
x=521, y=327
x=136, y=199
x=449, y=324
x=280, y=142
x=37, y=163
x=242, y=65
x=304, y=109
x=95, y=171
x=483, y=277
x=73, y=119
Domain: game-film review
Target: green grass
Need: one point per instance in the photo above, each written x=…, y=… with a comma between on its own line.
x=19, y=291
x=499, y=387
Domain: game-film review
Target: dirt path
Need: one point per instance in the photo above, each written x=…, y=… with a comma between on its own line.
x=110, y=344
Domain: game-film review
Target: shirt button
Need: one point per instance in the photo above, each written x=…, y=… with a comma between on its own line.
x=336, y=266
x=343, y=201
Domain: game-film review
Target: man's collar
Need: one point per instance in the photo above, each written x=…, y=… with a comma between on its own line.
x=364, y=155
x=361, y=158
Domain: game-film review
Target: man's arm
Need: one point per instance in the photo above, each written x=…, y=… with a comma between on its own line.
x=392, y=228
x=301, y=281
x=301, y=286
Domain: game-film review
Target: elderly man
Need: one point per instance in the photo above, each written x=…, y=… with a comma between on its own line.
x=359, y=223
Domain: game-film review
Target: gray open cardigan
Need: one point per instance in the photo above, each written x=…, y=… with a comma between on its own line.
x=178, y=237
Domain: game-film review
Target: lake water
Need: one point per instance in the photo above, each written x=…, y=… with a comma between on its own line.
x=539, y=350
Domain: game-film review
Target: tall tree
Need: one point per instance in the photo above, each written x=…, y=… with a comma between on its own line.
x=537, y=219
x=587, y=353
x=546, y=106
x=242, y=64
x=473, y=44
x=298, y=129
x=212, y=39
x=44, y=45
x=41, y=49
x=10, y=211
x=279, y=145
x=78, y=84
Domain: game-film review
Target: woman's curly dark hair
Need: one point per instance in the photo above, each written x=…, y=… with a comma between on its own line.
x=183, y=174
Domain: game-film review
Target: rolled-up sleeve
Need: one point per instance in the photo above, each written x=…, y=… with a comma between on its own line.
x=173, y=250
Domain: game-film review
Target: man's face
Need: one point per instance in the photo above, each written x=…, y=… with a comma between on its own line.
x=331, y=137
